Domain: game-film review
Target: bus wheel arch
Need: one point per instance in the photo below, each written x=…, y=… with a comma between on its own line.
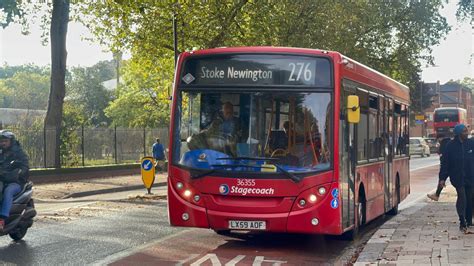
x=353, y=234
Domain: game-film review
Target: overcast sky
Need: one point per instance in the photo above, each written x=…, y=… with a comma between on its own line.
x=452, y=56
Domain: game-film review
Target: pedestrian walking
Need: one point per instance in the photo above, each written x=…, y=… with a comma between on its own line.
x=442, y=145
x=455, y=165
x=158, y=151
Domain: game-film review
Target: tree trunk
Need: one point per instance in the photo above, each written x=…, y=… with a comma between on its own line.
x=52, y=122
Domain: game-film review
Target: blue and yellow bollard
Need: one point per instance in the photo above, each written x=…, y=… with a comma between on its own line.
x=148, y=172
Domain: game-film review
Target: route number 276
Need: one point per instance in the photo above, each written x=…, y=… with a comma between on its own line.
x=300, y=70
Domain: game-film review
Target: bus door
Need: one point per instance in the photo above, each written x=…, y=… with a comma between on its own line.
x=347, y=161
x=388, y=151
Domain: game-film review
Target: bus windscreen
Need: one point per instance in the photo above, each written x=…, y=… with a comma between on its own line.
x=446, y=116
x=287, y=130
x=257, y=69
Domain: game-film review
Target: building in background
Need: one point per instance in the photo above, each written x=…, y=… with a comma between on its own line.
x=20, y=117
x=447, y=95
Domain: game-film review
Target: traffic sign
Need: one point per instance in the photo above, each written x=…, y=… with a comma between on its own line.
x=420, y=117
x=148, y=172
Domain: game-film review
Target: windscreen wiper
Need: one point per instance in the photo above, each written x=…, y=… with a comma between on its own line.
x=201, y=174
x=241, y=165
x=249, y=158
x=293, y=177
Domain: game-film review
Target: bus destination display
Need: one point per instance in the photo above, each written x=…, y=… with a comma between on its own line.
x=257, y=70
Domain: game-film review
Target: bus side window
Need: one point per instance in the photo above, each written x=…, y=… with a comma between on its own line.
x=362, y=127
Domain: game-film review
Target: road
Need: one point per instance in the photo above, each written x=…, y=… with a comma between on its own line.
x=104, y=229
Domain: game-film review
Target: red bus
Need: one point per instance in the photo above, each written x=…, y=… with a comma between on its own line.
x=260, y=139
x=445, y=118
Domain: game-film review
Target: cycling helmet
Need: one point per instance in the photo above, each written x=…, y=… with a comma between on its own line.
x=5, y=134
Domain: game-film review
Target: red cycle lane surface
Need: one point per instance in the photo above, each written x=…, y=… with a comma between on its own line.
x=204, y=247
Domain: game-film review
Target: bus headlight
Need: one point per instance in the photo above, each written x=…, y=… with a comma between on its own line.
x=179, y=185
x=311, y=197
x=322, y=191
x=187, y=193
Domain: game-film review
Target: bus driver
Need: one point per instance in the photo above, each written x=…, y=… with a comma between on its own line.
x=223, y=134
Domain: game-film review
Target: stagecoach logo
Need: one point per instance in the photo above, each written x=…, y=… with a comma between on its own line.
x=188, y=78
x=224, y=189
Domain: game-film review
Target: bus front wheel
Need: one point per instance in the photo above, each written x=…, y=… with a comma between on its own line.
x=360, y=219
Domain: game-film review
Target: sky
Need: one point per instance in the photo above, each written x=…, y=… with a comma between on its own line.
x=452, y=55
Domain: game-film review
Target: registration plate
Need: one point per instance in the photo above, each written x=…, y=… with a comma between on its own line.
x=247, y=225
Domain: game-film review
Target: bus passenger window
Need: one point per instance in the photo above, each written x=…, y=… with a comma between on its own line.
x=362, y=127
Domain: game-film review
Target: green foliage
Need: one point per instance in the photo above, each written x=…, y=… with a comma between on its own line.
x=390, y=36
x=421, y=98
x=73, y=120
x=7, y=71
x=465, y=9
x=25, y=90
x=11, y=10
x=142, y=99
x=468, y=82
x=85, y=91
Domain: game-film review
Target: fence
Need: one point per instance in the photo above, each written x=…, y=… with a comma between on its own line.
x=91, y=146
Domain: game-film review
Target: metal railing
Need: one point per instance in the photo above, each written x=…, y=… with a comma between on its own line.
x=90, y=146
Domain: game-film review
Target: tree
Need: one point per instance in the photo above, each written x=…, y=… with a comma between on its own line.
x=390, y=36
x=25, y=91
x=58, y=31
x=85, y=89
x=8, y=71
x=11, y=11
x=141, y=100
x=52, y=122
x=468, y=82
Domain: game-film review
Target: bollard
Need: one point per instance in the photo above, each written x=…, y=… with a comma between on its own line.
x=148, y=172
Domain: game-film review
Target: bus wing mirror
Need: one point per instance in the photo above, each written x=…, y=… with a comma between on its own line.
x=353, y=109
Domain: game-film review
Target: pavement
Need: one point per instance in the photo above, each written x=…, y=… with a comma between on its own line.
x=95, y=186
x=425, y=233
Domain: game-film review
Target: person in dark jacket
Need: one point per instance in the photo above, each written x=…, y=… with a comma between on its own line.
x=14, y=171
x=442, y=145
x=158, y=151
x=455, y=165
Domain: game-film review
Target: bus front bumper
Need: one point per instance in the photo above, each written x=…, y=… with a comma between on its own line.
x=319, y=219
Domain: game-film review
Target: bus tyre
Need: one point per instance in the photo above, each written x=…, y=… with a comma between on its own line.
x=361, y=211
x=360, y=220
x=222, y=232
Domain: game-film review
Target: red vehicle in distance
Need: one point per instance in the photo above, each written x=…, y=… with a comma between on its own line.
x=445, y=118
x=285, y=140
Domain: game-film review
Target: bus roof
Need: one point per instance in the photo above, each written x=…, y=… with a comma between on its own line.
x=449, y=108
